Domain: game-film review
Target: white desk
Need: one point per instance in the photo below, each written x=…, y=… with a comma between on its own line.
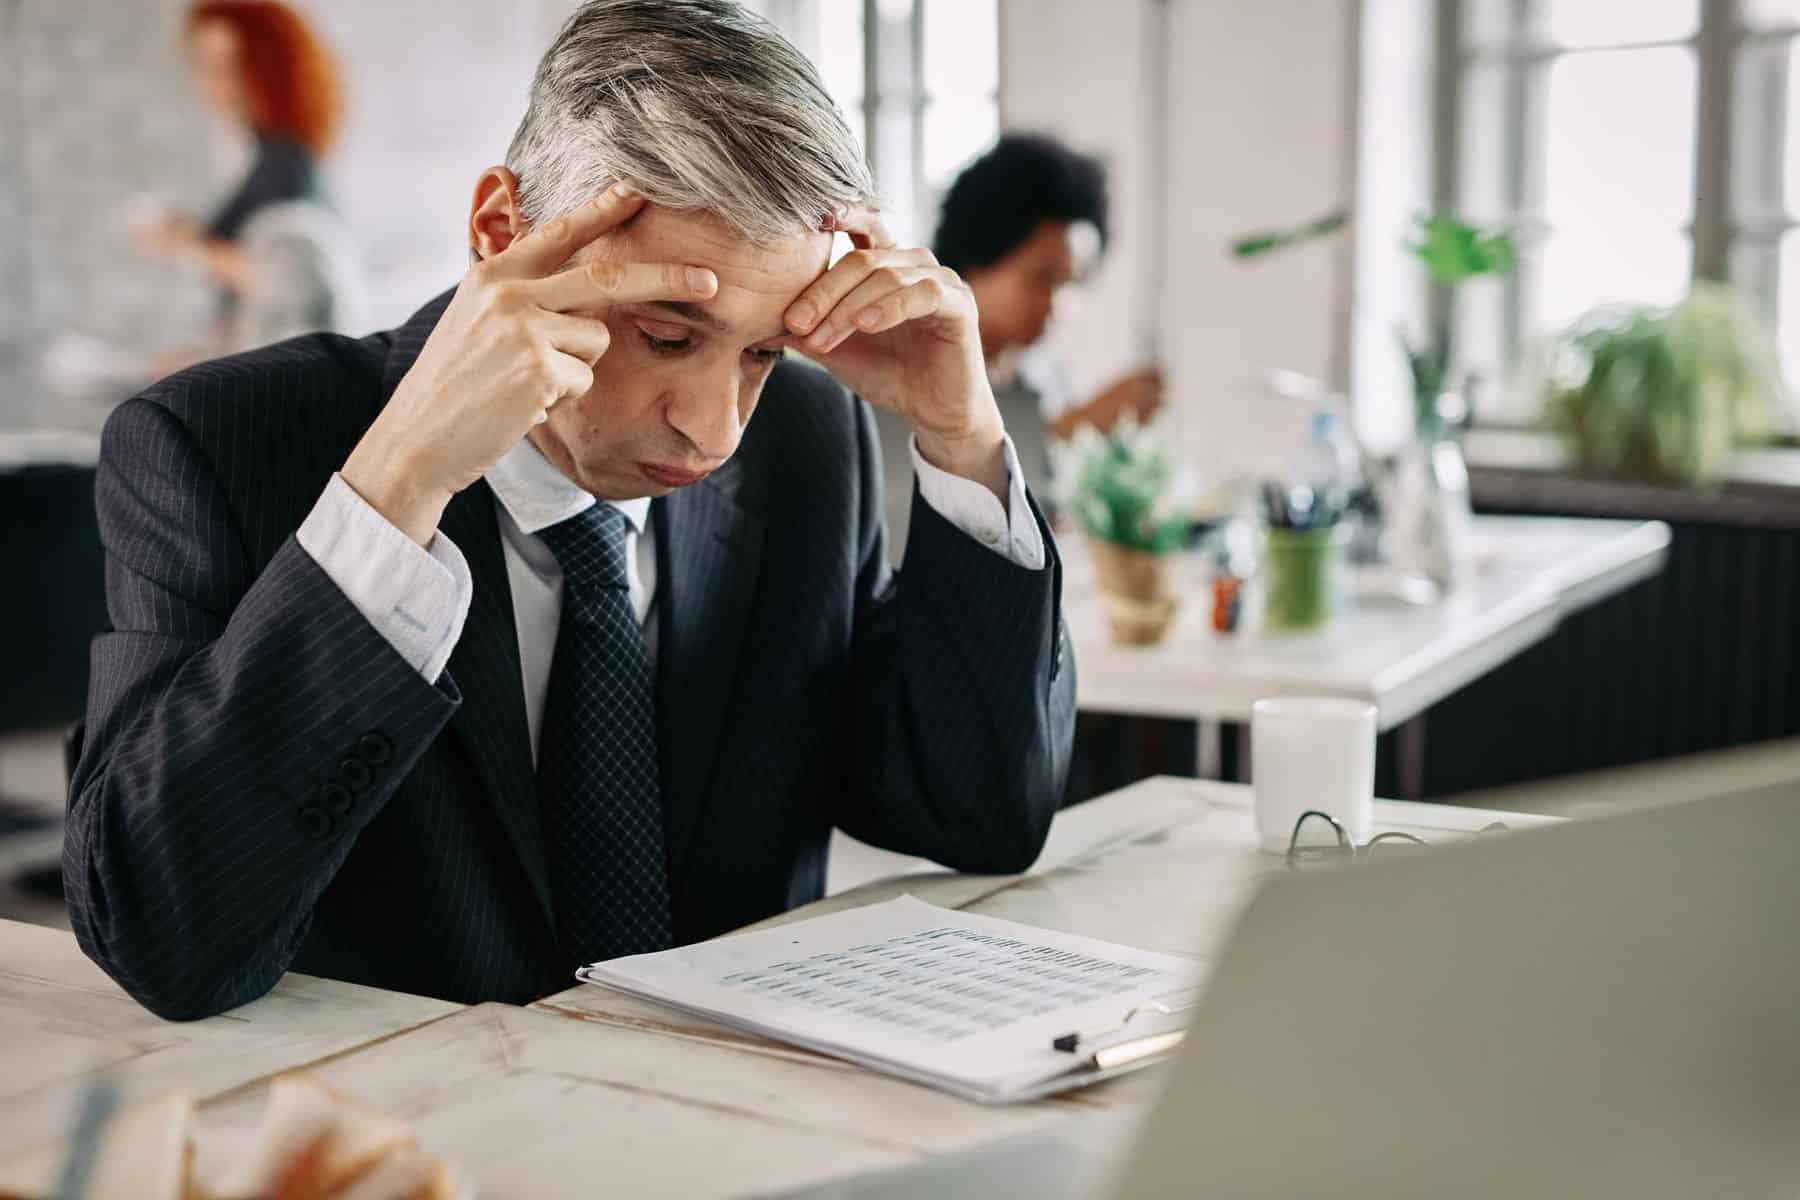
x=588, y=1085
x=62, y=1019
x=591, y=1090
x=1533, y=572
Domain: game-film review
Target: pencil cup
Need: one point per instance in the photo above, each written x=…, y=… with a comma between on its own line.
x=1312, y=754
x=1302, y=567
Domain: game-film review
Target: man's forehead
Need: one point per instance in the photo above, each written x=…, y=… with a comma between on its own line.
x=747, y=272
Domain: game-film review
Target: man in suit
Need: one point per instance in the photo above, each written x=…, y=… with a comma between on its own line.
x=449, y=659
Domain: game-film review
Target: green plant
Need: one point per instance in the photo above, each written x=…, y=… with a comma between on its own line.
x=1251, y=245
x=1122, y=489
x=1455, y=252
x=1663, y=393
x=1452, y=253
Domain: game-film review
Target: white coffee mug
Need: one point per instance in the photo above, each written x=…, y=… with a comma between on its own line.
x=1315, y=754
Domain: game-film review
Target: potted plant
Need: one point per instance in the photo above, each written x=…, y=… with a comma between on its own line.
x=1136, y=511
x=1662, y=394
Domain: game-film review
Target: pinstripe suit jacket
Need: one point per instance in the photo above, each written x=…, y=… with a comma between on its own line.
x=267, y=785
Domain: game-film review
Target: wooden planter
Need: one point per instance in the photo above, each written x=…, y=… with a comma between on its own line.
x=1134, y=584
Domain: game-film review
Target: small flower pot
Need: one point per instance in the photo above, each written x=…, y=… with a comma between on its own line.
x=1134, y=585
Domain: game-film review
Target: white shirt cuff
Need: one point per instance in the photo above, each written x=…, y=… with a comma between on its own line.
x=417, y=598
x=1010, y=531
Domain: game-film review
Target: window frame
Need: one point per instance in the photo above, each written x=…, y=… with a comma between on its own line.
x=893, y=47
x=1737, y=195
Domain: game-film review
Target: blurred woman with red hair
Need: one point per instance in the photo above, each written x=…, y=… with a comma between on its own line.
x=258, y=65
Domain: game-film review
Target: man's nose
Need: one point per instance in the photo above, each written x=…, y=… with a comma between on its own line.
x=707, y=415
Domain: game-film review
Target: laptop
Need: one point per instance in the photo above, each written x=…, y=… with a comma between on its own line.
x=1598, y=1009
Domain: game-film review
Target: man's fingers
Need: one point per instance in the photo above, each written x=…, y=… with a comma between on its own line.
x=601, y=283
x=848, y=317
x=866, y=228
x=817, y=304
x=569, y=378
x=552, y=243
x=916, y=300
x=584, y=338
x=868, y=307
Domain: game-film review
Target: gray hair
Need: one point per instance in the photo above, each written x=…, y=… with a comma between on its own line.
x=699, y=104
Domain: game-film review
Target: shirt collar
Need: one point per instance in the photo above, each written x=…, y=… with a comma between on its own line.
x=536, y=495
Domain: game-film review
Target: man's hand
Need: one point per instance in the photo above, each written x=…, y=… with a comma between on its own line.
x=520, y=335
x=900, y=331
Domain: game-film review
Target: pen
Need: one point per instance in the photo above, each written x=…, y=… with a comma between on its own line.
x=1108, y=1057
x=1069, y=1042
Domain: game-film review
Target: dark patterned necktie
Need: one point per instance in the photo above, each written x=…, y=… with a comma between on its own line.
x=597, y=773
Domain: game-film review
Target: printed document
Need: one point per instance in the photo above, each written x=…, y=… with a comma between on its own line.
x=956, y=1000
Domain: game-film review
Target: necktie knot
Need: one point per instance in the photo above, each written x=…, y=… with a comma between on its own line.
x=590, y=549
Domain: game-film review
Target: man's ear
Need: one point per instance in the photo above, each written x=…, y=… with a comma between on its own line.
x=494, y=215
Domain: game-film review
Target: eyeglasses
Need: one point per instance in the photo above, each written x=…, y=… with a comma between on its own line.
x=1301, y=855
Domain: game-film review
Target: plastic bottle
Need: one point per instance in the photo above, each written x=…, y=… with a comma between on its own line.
x=1321, y=477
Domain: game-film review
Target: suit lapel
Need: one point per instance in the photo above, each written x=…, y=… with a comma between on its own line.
x=485, y=665
x=491, y=723
x=712, y=548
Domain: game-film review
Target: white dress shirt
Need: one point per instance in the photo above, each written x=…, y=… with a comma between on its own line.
x=418, y=598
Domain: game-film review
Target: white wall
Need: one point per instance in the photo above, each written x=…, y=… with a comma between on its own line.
x=1080, y=71
x=1262, y=126
x=436, y=90
x=1259, y=129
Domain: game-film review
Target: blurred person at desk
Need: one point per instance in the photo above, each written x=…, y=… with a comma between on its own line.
x=452, y=658
x=279, y=256
x=1021, y=224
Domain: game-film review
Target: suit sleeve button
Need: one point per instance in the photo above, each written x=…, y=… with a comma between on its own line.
x=374, y=748
x=335, y=799
x=314, y=821
x=355, y=774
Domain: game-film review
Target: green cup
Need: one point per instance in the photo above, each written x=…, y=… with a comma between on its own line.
x=1301, y=572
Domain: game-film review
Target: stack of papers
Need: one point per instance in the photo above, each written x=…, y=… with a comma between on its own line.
x=966, y=1003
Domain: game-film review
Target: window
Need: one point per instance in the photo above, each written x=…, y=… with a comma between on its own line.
x=919, y=81
x=1634, y=146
